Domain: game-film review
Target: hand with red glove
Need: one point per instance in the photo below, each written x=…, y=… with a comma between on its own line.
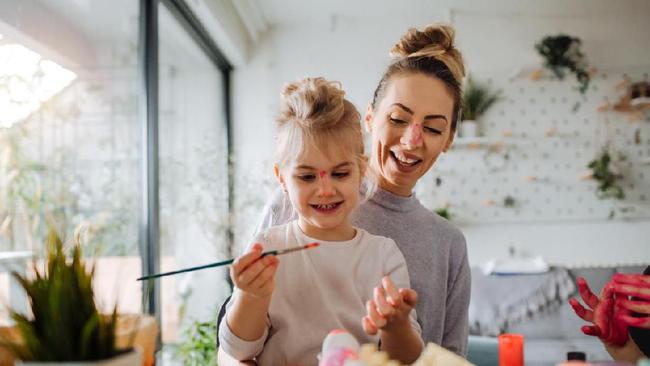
x=633, y=295
x=604, y=313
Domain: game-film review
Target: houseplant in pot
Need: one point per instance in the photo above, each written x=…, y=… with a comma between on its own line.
x=477, y=99
x=65, y=326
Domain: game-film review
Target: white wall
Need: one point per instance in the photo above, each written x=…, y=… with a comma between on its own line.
x=354, y=51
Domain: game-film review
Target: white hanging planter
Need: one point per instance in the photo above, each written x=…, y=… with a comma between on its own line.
x=468, y=128
x=132, y=358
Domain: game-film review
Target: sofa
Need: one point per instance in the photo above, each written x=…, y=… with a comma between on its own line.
x=551, y=330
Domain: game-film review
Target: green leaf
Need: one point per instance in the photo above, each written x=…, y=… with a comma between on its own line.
x=65, y=324
x=477, y=99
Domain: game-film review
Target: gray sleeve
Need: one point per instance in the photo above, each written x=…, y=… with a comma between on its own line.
x=277, y=211
x=457, y=310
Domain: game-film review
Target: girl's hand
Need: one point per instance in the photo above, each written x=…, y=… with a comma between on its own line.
x=253, y=274
x=389, y=309
x=601, y=313
x=638, y=287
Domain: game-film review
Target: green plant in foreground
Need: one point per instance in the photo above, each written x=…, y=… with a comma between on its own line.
x=608, y=180
x=66, y=324
x=200, y=345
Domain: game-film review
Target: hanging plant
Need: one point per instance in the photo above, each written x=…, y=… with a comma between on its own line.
x=562, y=53
x=607, y=177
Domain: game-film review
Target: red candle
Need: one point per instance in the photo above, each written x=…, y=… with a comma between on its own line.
x=511, y=350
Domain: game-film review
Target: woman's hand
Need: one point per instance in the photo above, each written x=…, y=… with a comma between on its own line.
x=389, y=309
x=602, y=313
x=253, y=274
x=638, y=287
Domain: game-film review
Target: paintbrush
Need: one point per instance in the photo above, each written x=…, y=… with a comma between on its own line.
x=229, y=261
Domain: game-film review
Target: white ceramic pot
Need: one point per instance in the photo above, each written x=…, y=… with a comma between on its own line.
x=133, y=358
x=468, y=128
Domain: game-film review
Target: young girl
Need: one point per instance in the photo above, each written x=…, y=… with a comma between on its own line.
x=282, y=309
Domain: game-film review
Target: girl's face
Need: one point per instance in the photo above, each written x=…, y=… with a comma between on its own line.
x=410, y=127
x=323, y=189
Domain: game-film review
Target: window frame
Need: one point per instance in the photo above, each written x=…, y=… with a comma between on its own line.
x=149, y=82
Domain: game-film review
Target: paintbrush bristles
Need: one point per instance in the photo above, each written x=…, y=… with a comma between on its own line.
x=289, y=250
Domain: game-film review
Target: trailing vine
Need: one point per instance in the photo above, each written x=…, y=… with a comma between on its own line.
x=561, y=53
x=608, y=179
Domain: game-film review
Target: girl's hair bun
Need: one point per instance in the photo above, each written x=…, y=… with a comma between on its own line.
x=314, y=103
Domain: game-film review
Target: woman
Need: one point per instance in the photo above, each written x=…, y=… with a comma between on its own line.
x=412, y=120
x=620, y=317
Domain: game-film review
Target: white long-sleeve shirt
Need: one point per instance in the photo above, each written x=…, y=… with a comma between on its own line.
x=434, y=250
x=316, y=291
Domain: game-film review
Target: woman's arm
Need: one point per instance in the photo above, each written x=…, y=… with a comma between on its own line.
x=456, y=331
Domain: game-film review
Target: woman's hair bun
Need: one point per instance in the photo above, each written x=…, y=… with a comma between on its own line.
x=431, y=41
x=434, y=41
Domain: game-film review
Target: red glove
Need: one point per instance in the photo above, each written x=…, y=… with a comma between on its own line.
x=602, y=312
x=638, y=287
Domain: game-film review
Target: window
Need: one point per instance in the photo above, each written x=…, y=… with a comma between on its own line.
x=70, y=136
x=193, y=164
x=72, y=148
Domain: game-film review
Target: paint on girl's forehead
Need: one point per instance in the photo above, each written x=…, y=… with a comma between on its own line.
x=322, y=173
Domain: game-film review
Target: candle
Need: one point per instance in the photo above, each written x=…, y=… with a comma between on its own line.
x=511, y=350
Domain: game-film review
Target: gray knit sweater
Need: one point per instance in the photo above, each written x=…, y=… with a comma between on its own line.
x=435, y=254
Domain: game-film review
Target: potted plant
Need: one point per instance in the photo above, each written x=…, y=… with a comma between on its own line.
x=562, y=53
x=65, y=326
x=477, y=99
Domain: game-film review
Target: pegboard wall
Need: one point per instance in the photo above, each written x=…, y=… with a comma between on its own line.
x=531, y=162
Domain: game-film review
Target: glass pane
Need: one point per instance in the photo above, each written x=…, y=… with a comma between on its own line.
x=70, y=138
x=193, y=178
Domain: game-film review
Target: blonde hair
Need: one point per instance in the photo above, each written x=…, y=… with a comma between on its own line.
x=315, y=114
x=430, y=51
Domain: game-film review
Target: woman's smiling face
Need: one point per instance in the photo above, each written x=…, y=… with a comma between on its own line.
x=410, y=127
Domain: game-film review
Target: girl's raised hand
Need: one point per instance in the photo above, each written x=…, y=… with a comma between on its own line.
x=254, y=274
x=389, y=309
